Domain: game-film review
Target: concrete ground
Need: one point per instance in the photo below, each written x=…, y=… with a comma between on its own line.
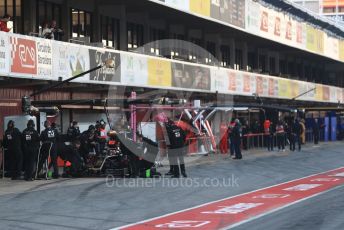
x=100, y=203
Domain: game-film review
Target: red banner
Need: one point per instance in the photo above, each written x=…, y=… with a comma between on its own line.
x=23, y=56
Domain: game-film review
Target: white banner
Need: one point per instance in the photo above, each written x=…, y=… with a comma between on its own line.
x=134, y=70
x=44, y=58
x=4, y=54
x=183, y=5
x=71, y=60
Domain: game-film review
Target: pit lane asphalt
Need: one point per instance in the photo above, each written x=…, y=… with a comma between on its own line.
x=91, y=204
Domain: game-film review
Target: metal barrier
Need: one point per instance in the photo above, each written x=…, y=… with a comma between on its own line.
x=259, y=140
x=202, y=144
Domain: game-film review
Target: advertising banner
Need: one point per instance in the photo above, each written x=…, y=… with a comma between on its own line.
x=315, y=40
x=219, y=79
x=215, y=9
x=326, y=93
x=201, y=7
x=259, y=85
x=4, y=54
x=183, y=5
x=225, y=15
x=23, y=56
x=333, y=94
x=302, y=89
x=60, y=61
x=294, y=90
x=331, y=47
x=134, y=70
x=232, y=82
x=341, y=50
x=190, y=76
x=253, y=17
x=98, y=57
x=264, y=21
x=70, y=60
x=44, y=58
x=237, y=10
x=318, y=92
x=339, y=95
x=159, y=72
x=284, y=88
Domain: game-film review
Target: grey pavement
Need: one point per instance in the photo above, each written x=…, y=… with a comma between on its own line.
x=97, y=203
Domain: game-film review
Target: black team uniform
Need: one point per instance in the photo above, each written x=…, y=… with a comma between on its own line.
x=49, y=137
x=12, y=142
x=31, y=143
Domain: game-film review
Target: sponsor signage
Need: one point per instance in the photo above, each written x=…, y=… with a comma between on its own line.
x=4, y=54
x=23, y=56
x=98, y=57
x=44, y=58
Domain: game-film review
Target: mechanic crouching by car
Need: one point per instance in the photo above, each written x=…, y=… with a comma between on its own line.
x=88, y=142
x=73, y=133
x=12, y=142
x=31, y=144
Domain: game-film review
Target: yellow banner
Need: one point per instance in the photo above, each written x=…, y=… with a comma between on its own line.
x=159, y=72
x=284, y=89
x=201, y=7
x=319, y=92
x=311, y=38
x=341, y=50
x=295, y=89
x=315, y=40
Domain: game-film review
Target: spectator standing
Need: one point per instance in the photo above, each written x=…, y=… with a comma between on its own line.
x=57, y=32
x=46, y=32
x=3, y=23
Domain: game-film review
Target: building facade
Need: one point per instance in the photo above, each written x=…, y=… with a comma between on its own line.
x=274, y=50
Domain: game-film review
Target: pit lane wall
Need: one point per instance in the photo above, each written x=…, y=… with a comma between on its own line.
x=35, y=58
x=252, y=17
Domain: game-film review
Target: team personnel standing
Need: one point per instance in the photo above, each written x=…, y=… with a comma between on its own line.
x=176, y=148
x=236, y=136
x=230, y=137
x=12, y=142
x=297, y=130
x=31, y=143
x=316, y=131
x=270, y=134
x=49, y=137
x=280, y=136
